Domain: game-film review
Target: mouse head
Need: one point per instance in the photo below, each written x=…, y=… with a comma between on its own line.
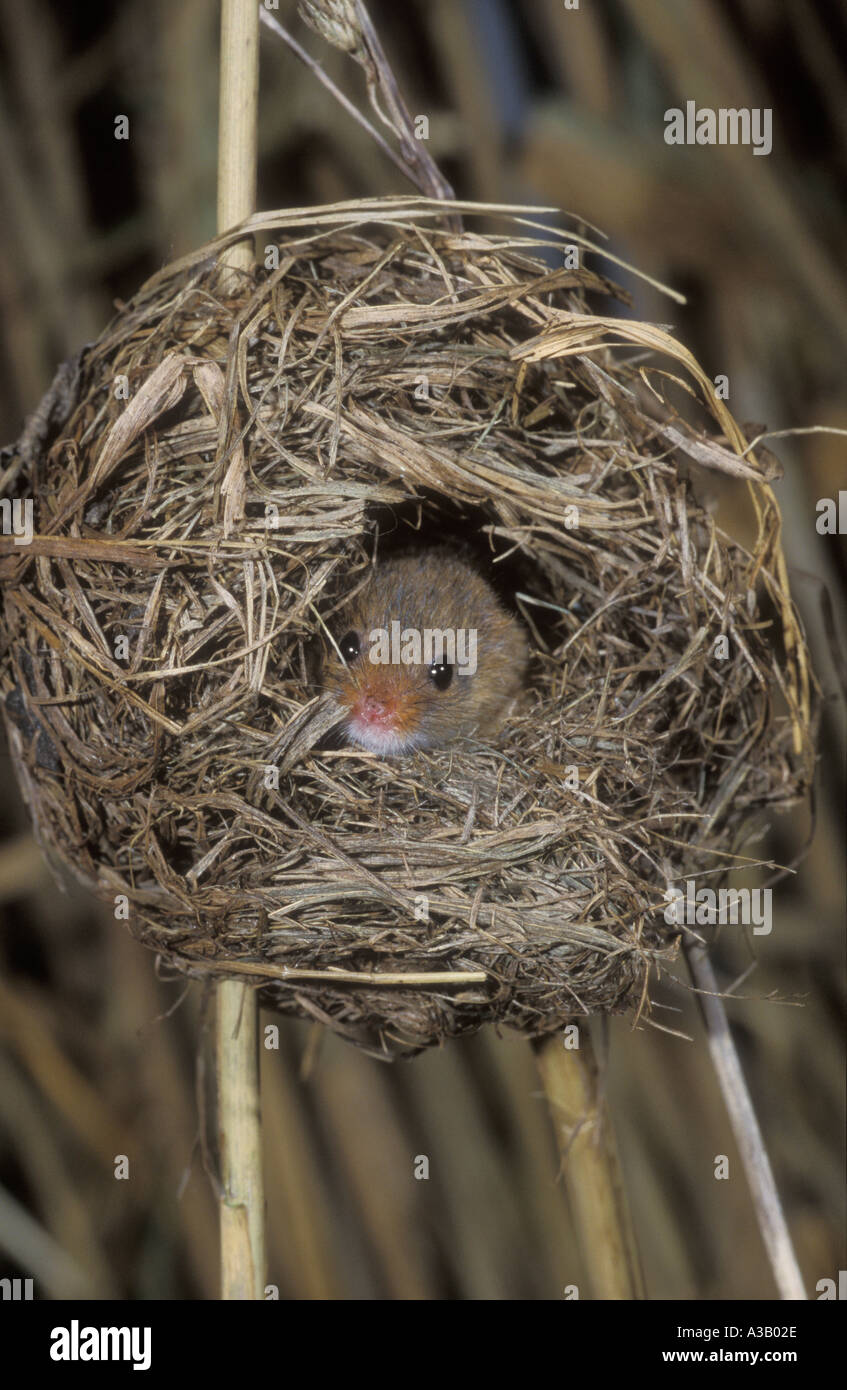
x=424, y=655
x=402, y=688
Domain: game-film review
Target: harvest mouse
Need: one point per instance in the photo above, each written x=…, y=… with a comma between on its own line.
x=429, y=655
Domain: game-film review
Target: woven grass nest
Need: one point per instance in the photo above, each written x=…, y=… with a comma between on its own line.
x=393, y=380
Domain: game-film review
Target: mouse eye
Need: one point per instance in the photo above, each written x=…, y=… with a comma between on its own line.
x=349, y=646
x=441, y=674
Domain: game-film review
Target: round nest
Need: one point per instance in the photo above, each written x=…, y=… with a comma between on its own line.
x=212, y=478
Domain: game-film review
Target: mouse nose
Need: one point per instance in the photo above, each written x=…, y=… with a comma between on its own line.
x=373, y=710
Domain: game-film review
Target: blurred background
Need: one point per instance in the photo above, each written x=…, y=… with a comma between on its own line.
x=528, y=101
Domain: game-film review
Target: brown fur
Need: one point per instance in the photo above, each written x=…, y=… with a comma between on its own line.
x=433, y=589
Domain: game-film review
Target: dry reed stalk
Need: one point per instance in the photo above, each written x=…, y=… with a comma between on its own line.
x=242, y=1197
x=745, y=1127
x=242, y=1204
x=590, y=1164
